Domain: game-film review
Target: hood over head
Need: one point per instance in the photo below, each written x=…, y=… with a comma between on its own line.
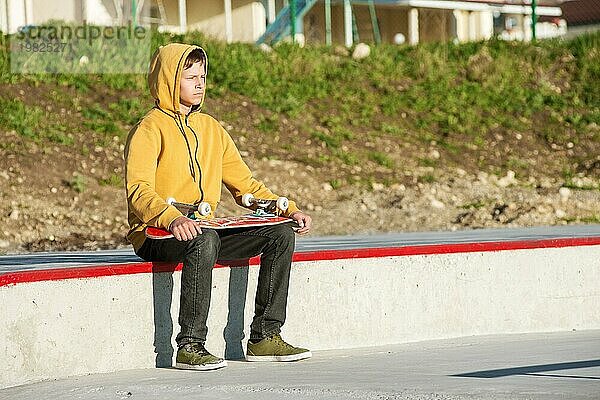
x=165, y=74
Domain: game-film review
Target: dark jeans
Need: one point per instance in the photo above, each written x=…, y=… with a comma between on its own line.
x=276, y=244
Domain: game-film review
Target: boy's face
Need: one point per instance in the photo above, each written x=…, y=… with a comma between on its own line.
x=192, y=84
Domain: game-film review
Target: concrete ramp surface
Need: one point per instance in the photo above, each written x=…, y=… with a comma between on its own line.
x=556, y=366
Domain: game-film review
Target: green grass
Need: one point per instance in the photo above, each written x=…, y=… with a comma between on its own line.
x=335, y=183
x=592, y=219
x=476, y=205
x=268, y=124
x=427, y=178
x=454, y=94
x=127, y=110
x=115, y=180
x=427, y=162
x=381, y=158
x=78, y=183
x=516, y=164
x=391, y=129
x=572, y=185
x=346, y=157
x=32, y=122
x=570, y=181
x=15, y=115
x=330, y=141
x=99, y=120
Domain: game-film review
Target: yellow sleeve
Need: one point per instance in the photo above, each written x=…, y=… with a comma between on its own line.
x=141, y=158
x=238, y=178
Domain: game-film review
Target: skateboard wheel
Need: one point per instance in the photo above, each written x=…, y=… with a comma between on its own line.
x=170, y=200
x=283, y=203
x=204, y=208
x=247, y=199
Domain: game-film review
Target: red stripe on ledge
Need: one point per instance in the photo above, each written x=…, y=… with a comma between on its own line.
x=12, y=278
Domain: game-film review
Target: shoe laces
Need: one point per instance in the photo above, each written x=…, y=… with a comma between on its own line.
x=197, y=348
x=278, y=340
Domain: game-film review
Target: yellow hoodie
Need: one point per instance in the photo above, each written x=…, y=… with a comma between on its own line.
x=169, y=154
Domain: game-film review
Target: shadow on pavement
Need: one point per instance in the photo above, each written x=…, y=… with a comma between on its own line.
x=535, y=370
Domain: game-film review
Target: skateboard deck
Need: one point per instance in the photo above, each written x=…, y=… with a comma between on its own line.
x=242, y=221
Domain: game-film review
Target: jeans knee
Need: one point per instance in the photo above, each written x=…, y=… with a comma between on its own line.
x=207, y=243
x=284, y=234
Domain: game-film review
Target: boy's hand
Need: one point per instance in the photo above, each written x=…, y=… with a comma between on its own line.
x=304, y=222
x=184, y=228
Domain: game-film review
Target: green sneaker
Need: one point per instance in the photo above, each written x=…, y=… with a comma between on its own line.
x=275, y=349
x=195, y=356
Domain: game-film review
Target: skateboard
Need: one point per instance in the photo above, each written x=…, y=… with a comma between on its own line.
x=266, y=213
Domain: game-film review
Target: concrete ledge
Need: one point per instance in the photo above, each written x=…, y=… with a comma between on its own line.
x=59, y=323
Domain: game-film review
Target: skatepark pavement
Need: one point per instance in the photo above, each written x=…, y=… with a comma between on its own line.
x=534, y=366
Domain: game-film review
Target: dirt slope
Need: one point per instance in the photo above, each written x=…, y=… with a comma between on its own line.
x=70, y=196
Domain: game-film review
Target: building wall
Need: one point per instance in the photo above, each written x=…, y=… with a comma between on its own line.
x=210, y=9
x=208, y=18
x=434, y=25
x=516, y=27
x=99, y=12
x=249, y=21
x=337, y=24
x=314, y=24
x=392, y=20
x=463, y=29
x=103, y=12
x=48, y=10
x=473, y=25
x=574, y=31
x=486, y=27
x=17, y=13
x=248, y=18
x=3, y=17
x=363, y=23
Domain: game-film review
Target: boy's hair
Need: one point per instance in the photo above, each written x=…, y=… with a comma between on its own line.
x=195, y=56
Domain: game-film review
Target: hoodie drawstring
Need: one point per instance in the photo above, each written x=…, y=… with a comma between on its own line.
x=187, y=143
x=196, y=159
x=181, y=128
